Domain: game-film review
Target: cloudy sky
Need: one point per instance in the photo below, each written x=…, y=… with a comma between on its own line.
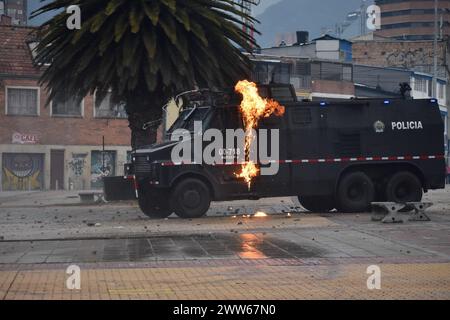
x=282, y=16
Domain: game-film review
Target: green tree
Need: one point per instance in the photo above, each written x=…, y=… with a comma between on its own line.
x=144, y=51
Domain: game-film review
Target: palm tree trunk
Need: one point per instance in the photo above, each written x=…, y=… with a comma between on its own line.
x=144, y=117
x=144, y=128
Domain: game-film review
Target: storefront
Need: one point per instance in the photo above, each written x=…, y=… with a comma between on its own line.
x=40, y=167
x=22, y=171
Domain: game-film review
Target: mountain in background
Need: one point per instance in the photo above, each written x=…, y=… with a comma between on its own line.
x=305, y=15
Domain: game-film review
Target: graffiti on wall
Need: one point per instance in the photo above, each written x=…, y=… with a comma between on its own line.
x=22, y=172
x=103, y=164
x=410, y=58
x=77, y=164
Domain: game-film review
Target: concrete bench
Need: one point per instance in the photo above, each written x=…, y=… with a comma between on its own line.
x=90, y=196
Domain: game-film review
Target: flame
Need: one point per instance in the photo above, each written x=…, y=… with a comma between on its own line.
x=253, y=108
x=260, y=214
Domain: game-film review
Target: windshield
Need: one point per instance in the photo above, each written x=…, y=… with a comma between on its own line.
x=187, y=118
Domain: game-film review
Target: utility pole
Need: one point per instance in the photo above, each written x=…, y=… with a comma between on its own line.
x=435, y=48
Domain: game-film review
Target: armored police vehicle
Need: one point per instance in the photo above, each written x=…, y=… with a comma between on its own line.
x=332, y=155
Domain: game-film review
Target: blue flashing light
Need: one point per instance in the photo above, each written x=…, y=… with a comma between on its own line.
x=387, y=102
x=323, y=104
x=433, y=100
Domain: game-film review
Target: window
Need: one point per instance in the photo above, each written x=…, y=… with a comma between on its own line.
x=347, y=73
x=331, y=71
x=107, y=109
x=63, y=105
x=22, y=101
x=441, y=91
x=420, y=85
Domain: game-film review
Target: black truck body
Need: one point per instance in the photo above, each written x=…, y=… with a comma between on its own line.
x=333, y=154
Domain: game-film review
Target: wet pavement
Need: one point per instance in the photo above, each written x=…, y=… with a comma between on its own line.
x=409, y=241
x=242, y=246
x=227, y=255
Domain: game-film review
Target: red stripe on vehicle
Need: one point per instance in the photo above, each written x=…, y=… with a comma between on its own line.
x=315, y=161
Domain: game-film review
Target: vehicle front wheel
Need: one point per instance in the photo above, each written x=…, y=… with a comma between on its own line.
x=355, y=193
x=319, y=204
x=154, y=203
x=191, y=198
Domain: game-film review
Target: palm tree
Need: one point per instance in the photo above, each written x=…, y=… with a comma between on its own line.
x=144, y=51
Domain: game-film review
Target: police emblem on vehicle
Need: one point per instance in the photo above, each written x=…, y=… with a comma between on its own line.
x=379, y=127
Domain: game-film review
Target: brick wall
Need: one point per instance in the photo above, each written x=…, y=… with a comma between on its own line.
x=61, y=130
x=401, y=54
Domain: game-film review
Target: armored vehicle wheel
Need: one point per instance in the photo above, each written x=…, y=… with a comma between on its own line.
x=191, y=198
x=317, y=204
x=404, y=187
x=355, y=193
x=154, y=203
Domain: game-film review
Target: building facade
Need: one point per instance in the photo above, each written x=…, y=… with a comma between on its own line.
x=410, y=55
x=67, y=144
x=413, y=19
x=16, y=9
x=325, y=47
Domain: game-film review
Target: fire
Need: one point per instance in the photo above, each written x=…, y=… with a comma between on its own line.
x=260, y=214
x=253, y=108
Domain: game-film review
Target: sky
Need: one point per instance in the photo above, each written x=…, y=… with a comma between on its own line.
x=36, y=4
x=282, y=16
x=264, y=4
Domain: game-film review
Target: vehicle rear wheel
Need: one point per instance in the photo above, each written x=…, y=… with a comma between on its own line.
x=191, y=198
x=404, y=187
x=319, y=204
x=356, y=192
x=154, y=203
